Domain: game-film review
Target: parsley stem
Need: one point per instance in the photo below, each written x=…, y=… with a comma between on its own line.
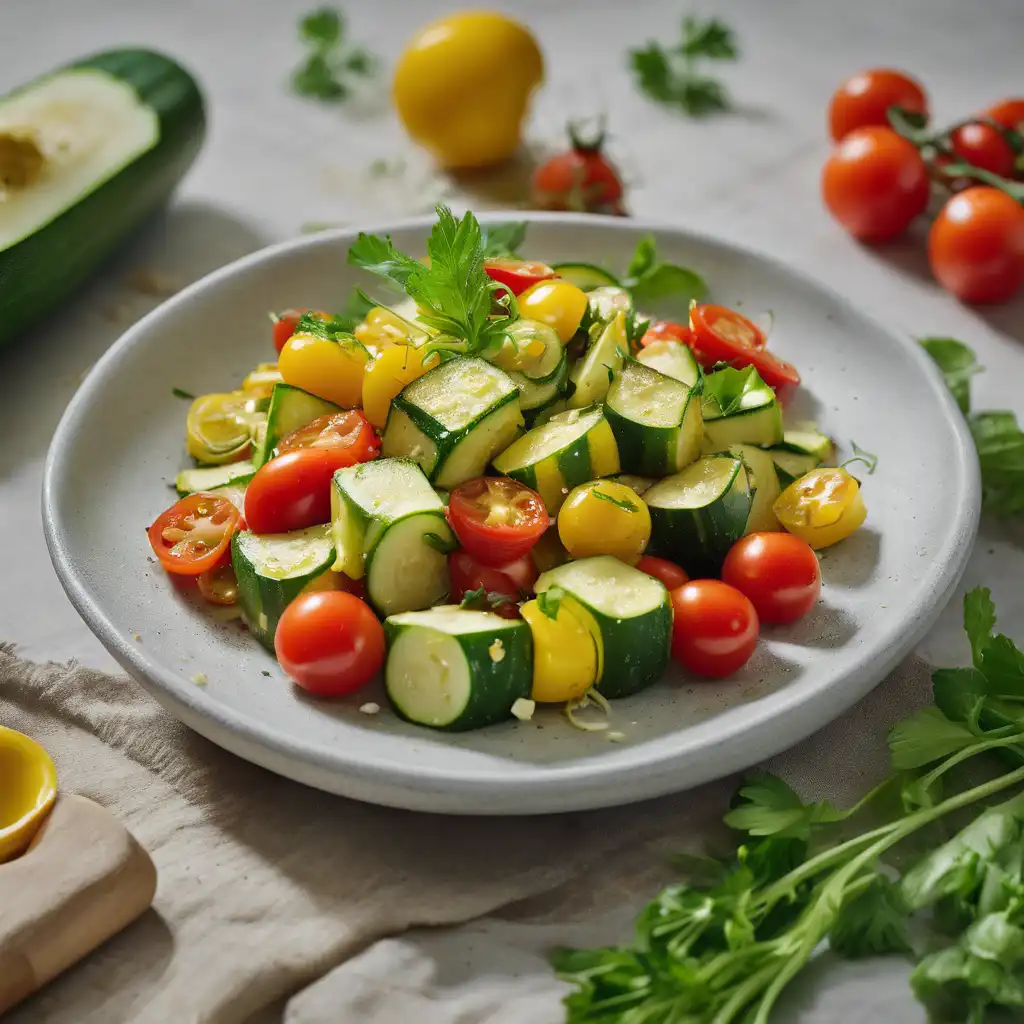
x=968, y=752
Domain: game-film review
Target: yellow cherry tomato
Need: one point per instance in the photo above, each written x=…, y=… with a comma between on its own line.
x=565, y=659
x=220, y=427
x=383, y=327
x=332, y=370
x=557, y=303
x=605, y=518
x=822, y=507
x=462, y=86
x=393, y=368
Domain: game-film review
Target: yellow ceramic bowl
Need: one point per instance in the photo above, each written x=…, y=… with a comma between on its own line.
x=28, y=787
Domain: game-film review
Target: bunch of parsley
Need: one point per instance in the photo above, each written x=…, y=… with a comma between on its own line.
x=724, y=948
x=997, y=435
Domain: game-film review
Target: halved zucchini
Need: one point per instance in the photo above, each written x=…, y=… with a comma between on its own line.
x=532, y=349
x=452, y=668
x=656, y=420
x=290, y=409
x=807, y=442
x=628, y=614
x=698, y=514
x=454, y=419
x=592, y=375
x=765, y=484
x=672, y=359
x=571, y=448
x=587, y=276
x=739, y=408
x=790, y=465
x=208, y=478
x=86, y=154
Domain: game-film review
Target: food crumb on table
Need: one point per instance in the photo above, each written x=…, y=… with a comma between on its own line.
x=369, y=708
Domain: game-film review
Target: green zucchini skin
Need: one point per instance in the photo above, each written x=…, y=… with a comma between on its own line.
x=40, y=271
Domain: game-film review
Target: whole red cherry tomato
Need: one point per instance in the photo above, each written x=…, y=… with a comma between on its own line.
x=777, y=571
x=581, y=179
x=863, y=100
x=714, y=627
x=984, y=147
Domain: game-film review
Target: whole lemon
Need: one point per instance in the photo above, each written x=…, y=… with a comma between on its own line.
x=462, y=86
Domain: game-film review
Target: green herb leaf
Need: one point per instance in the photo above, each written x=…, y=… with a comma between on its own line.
x=179, y=393
x=871, y=924
x=1000, y=445
x=860, y=455
x=332, y=60
x=927, y=736
x=648, y=279
x=979, y=620
x=623, y=503
x=502, y=239
x=733, y=390
x=443, y=544
x=767, y=806
x=712, y=39
x=473, y=599
x=378, y=256
x=550, y=600
x=958, y=365
x=323, y=28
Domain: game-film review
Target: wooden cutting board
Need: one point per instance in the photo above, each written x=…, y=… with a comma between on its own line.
x=82, y=880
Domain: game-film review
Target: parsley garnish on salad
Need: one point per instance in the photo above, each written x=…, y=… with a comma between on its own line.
x=724, y=946
x=671, y=75
x=333, y=62
x=649, y=278
x=623, y=504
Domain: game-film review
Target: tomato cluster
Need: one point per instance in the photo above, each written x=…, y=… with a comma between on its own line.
x=886, y=162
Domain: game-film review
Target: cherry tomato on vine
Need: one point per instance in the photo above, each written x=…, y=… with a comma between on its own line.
x=1009, y=113
x=721, y=335
x=495, y=519
x=330, y=643
x=662, y=569
x=666, y=330
x=976, y=245
x=777, y=571
x=517, y=275
x=875, y=183
x=862, y=100
x=714, y=628
x=194, y=533
x=285, y=324
x=513, y=581
x=984, y=147
x=581, y=179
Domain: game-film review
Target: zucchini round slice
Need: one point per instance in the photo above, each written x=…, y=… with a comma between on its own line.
x=672, y=359
x=452, y=668
x=587, y=276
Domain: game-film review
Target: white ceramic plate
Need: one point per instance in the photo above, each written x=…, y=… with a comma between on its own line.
x=120, y=444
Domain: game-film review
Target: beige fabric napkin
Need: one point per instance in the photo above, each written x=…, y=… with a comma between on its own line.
x=265, y=885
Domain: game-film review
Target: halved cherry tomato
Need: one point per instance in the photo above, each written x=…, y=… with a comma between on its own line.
x=193, y=534
x=721, y=335
x=218, y=585
x=496, y=520
x=293, y=491
x=662, y=569
x=714, y=627
x=514, y=581
x=286, y=322
x=777, y=571
x=347, y=432
x=330, y=643
x=863, y=100
x=517, y=275
x=1009, y=113
x=666, y=330
x=984, y=147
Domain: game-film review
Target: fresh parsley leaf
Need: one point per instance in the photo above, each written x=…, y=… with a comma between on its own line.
x=768, y=806
x=623, y=503
x=443, y=544
x=733, y=390
x=649, y=279
x=483, y=596
x=643, y=259
x=872, y=923
x=926, y=736
x=550, y=600
x=671, y=75
x=454, y=292
x=979, y=620
x=860, y=455
x=179, y=393
x=502, y=239
x=327, y=71
x=958, y=365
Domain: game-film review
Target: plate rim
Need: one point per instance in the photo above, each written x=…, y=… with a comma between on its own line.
x=433, y=789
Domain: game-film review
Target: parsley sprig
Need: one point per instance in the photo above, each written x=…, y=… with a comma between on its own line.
x=997, y=435
x=722, y=947
x=454, y=294
x=672, y=76
x=650, y=278
x=333, y=62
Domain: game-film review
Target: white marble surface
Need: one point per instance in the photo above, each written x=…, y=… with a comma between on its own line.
x=273, y=162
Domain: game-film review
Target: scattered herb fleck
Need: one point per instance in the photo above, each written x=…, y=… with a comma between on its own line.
x=333, y=62
x=623, y=503
x=550, y=600
x=181, y=393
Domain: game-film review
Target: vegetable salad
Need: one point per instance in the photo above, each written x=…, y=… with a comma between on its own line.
x=508, y=487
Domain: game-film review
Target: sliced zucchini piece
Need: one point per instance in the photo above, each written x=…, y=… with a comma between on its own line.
x=628, y=613
x=765, y=483
x=388, y=525
x=532, y=349
x=90, y=151
x=571, y=448
x=656, y=420
x=290, y=409
x=698, y=514
x=541, y=415
x=739, y=408
x=640, y=484
x=208, y=478
x=606, y=302
x=587, y=276
x=592, y=375
x=454, y=419
x=537, y=394
x=672, y=359
x=455, y=669
x=807, y=442
x=272, y=569
x=790, y=465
